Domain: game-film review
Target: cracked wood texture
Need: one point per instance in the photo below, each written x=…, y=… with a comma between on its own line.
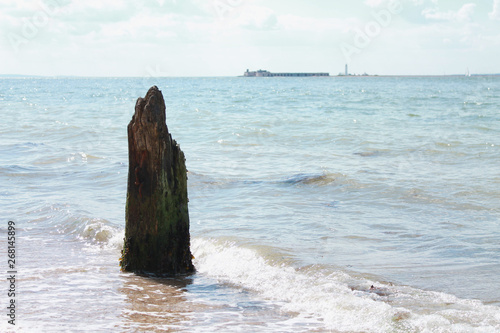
x=157, y=220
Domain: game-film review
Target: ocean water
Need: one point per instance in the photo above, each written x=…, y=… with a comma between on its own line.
x=355, y=204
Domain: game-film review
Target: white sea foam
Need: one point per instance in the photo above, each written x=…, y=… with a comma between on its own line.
x=338, y=300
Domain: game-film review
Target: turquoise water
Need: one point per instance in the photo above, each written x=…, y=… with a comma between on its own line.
x=304, y=193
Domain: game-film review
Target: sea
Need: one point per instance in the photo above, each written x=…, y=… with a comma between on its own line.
x=332, y=204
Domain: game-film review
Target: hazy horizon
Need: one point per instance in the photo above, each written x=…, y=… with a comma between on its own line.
x=195, y=38
x=14, y=75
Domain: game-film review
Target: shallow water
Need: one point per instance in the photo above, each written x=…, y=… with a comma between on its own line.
x=304, y=193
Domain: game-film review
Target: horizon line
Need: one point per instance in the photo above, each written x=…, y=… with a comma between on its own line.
x=220, y=76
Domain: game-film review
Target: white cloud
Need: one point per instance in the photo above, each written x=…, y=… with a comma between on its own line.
x=495, y=14
x=374, y=3
x=298, y=23
x=378, y=3
x=464, y=14
x=257, y=17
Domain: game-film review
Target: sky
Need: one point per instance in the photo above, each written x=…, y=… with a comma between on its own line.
x=159, y=38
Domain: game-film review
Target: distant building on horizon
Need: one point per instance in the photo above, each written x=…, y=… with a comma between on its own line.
x=346, y=71
x=264, y=73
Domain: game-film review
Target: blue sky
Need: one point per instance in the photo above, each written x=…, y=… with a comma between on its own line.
x=225, y=37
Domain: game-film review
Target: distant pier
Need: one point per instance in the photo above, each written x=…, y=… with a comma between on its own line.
x=264, y=73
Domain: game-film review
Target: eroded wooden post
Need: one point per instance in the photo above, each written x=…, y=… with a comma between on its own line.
x=157, y=220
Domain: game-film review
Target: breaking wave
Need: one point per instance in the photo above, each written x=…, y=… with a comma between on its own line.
x=339, y=300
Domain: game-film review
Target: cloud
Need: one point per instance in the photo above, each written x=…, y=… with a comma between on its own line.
x=374, y=3
x=257, y=18
x=464, y=14
x=495, y=14
x=314, y=25
x=379, y=3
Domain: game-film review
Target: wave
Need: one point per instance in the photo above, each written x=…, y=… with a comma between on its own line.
x=77, y=225
x=316, y=179
x=389, y=189
x=372, y=153
x=312, y=179
x=97, y=231
x=338, y=300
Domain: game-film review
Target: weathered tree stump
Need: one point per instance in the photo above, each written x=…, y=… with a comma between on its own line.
x=157, y=220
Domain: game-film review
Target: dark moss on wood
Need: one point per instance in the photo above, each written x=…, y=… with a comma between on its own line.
x=157, y=220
